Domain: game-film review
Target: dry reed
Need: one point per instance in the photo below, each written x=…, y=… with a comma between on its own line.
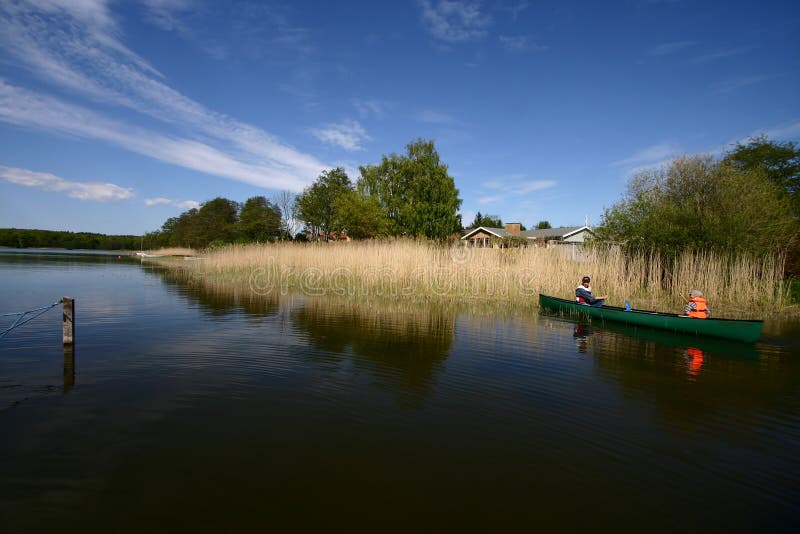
x=173, y=251
x=736, y=286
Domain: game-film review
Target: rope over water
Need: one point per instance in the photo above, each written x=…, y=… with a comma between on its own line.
x=21, y=320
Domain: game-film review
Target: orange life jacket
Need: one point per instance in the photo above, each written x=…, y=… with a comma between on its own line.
x=702, y=310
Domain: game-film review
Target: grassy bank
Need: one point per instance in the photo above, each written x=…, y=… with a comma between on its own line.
x=735, y=286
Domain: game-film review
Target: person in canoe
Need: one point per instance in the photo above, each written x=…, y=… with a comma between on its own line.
x=696, y=307
x=583, y=294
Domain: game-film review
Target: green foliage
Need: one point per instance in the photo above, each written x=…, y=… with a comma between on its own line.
x=216, y=220
x=487, y=221
x=24, y=238
x=317, y=204
x=361, y=217
x=259, y=220
x=543, y=225
x=780, y=161
x=698, y=202
x=415, y=191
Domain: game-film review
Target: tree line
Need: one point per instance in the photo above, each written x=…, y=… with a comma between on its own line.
x=24, y=238
x=404, y=195
x=221, y=221
x=745, y=201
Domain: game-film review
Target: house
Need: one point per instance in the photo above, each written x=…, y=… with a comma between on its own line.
x=485, y=237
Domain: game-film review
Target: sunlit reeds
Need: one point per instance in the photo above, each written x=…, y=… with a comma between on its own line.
x=173, y=251
x=735, y=286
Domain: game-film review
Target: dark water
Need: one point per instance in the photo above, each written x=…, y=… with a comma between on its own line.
x=190, y=407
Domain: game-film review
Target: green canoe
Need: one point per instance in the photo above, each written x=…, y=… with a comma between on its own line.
x=735, y=329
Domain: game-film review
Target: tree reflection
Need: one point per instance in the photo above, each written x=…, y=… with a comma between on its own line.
x=217, y=296
x=403, y=346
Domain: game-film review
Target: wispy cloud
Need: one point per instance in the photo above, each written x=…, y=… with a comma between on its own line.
x=667, y=49
x=785, y=131
x=535, y=185
x=520, y=43
x=513, y=185
x=370, y=108
x=183, y=204
x=737, y=83
x=93, y=191
x=492, y=199
x=76, y=46
x=514, y=8
x=434, y=117
x=348, y=134
x=454, y=21
x=719, y=53
x=25, y=108
x=654, y=153
x=166, y=13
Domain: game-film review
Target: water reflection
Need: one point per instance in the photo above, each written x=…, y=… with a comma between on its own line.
x=686, y=375
x=69, y=368
x=219, y=297
x=403, y=345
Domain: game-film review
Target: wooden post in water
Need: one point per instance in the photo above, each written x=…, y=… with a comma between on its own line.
x=69, y=367
x=68, y=321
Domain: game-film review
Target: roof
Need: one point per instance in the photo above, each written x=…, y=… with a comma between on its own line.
x=554, y=233
x=499, y=232
x=550, y=233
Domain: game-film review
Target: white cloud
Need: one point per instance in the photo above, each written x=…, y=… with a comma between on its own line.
x=490, y=199
x=18, y=106
x=785, y=131
x=654, y=153
x=349, y=135
x=156, y=201
x=183, y=204
x=94, y=191
x=76, y=46
x=454, y=21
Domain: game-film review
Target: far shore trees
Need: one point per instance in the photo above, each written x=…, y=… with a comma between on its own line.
x=219, y=221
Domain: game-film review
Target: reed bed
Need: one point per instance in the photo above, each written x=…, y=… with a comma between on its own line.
x=173, y=251
x=736, y=286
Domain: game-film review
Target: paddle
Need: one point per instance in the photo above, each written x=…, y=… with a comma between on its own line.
x=684, y=298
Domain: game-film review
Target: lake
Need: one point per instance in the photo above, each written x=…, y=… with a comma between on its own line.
x=190, y=407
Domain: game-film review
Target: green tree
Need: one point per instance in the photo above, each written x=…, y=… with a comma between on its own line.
x=698, y=202
x=361, y=217
x=317, y=204
x=780, y=161
x=217, y=220
x=415, y=191
x=543, y=225
x=259, y=220
x=487, y=221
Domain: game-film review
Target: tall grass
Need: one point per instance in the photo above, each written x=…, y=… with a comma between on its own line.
x=735, y=286
x=173, y=251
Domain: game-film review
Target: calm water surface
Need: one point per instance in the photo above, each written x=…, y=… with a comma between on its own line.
x=186, y=407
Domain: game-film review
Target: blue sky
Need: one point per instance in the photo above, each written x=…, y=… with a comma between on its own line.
x=115, y=115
